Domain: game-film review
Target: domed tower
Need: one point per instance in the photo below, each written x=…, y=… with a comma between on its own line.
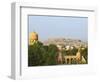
x=33, y=37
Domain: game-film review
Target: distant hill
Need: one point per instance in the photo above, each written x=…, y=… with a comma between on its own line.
x=65, y=42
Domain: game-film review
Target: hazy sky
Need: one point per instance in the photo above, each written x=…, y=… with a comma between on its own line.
x=58, y=26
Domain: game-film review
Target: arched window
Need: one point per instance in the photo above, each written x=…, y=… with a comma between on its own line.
x=67, y=61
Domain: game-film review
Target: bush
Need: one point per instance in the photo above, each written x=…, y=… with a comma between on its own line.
x=41, y=55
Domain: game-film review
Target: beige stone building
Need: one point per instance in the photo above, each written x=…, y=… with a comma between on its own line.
x=33, y=37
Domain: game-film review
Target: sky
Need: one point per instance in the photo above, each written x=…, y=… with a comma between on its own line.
x=59, y=27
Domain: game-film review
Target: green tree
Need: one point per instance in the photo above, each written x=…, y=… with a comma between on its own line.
x=74, y=51
x=35, y=54
x=52, y=54
x=38, y=54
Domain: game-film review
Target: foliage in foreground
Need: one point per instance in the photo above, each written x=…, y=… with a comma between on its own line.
x=40, y=55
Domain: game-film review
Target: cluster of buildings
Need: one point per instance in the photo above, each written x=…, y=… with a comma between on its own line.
x=70, y=58
x=67, y=59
